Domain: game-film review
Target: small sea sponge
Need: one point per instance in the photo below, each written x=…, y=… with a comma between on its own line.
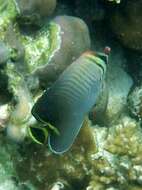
x=16, y=126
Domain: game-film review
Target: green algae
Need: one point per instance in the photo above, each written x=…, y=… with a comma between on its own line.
x=9, y=11
x=40, y=48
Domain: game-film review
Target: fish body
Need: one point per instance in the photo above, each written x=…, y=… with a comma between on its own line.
x=70, y=98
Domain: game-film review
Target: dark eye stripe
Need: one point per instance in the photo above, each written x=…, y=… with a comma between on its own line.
x=98, y=61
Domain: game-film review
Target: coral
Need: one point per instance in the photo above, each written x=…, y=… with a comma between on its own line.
x=118, y=165
x=74, y=39
x=8, y=10
x=135, y=101
x=43, y=57
x=101, y=160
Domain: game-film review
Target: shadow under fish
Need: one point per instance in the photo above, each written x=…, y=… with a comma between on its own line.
x=61, y=110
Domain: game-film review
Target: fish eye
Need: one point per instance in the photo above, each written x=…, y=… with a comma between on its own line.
x=38, y=134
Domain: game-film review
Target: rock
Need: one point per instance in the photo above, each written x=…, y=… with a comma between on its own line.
x=135, y=102
x=33, y=11
x=113, y=101
x=119, y=84
x=74, y=39
x=126, y=24
x=90, y=11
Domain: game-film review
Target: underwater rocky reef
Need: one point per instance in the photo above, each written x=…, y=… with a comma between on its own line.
x=40, y=40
